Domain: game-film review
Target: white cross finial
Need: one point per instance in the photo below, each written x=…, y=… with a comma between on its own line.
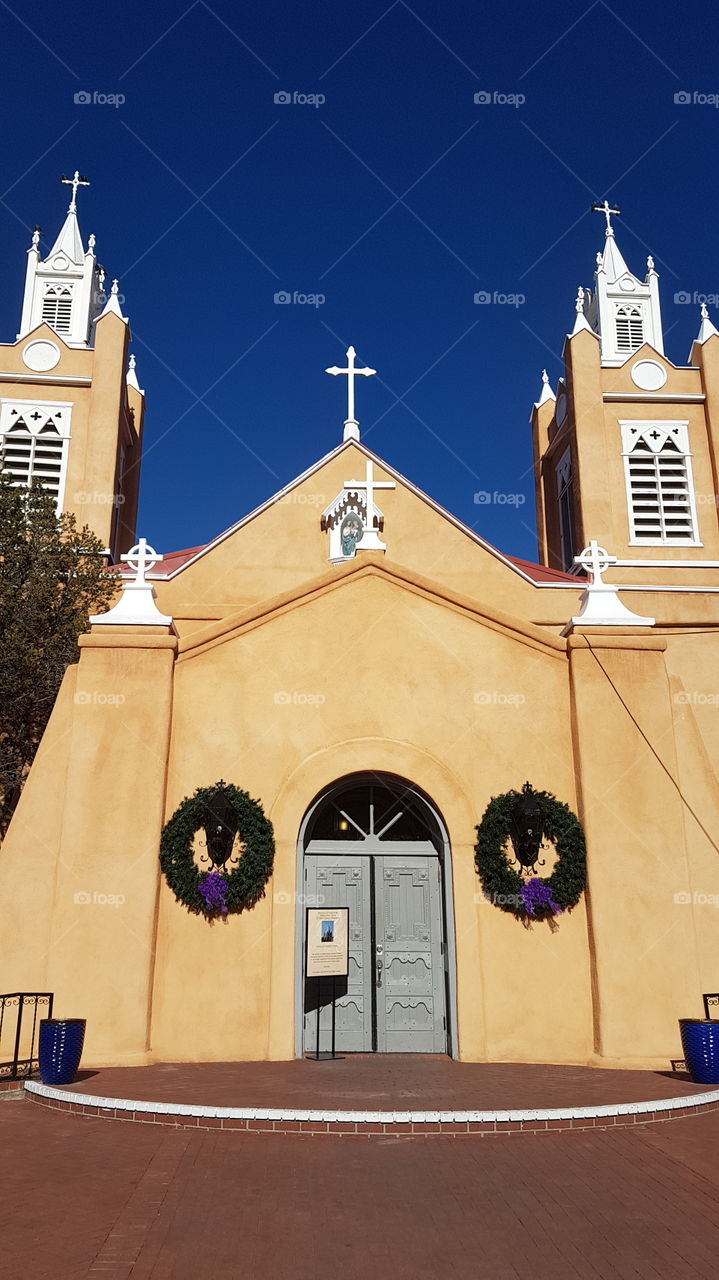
x=545, y=377
x=606, y=209
x=580, y=301
x=596, y=561
x=115, y=286
x=601, y=606
x=351, y=431
x=703, y=311
x=370, y=540
x=75, y=181
x=136, y=606
x=141, y=558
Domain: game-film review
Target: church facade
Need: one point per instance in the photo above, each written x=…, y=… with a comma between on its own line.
x=591, y=673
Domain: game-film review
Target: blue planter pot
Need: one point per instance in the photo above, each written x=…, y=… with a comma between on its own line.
x=700, y=1042
x=60, y=1049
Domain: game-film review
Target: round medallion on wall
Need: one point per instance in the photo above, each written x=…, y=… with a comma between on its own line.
x=649, y=375
x=41, y=355
x=627, y=285
x=60, y=263
x=560, y=412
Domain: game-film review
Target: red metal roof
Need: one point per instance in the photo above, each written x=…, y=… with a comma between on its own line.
x=174, y=560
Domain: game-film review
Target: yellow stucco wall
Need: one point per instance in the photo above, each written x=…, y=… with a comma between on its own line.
x=426, y=663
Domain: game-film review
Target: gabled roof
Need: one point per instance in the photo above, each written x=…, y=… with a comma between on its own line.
x=174, y=562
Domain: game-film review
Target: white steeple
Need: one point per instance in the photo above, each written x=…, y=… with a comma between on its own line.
x=706, y=328
x=113, y=302
x=64, y=289
x=623, y=310
x=546, y=393
x=131, y=375
x=581, y=321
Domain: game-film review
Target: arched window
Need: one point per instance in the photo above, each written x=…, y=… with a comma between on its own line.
x=565, y=511
x=57, y=308
x=630, y=328
x=660, y=490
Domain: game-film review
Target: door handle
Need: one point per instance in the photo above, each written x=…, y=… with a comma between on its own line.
x=379, y=972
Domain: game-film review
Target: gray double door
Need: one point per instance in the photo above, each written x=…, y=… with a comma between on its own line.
x=393, y=1000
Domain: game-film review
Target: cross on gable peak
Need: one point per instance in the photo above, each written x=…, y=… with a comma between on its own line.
x=351, y=431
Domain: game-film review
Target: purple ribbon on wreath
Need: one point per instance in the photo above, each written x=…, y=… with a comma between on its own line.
x=213, y=888
x=536, y=894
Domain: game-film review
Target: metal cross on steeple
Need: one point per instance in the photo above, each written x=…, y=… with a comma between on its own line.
x=75, y=181
x=606, y=209
x=351, y=431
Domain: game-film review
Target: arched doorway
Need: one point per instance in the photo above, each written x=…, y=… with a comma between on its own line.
x=373, y=842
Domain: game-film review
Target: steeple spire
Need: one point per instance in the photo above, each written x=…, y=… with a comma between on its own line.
x=64, y=289
x=622, y=309
x=546, y=393
x=706, y=328
x=581, y=321
x=611, y=261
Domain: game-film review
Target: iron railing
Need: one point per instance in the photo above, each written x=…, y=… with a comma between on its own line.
x=20, y=1013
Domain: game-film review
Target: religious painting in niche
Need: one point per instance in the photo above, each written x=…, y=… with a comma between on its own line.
x=354, y=521
x=351, y=531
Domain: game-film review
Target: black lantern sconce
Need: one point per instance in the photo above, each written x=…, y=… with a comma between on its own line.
x=220, y=826
x=526, y=829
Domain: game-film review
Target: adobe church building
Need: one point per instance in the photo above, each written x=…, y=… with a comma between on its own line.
x=373, y=672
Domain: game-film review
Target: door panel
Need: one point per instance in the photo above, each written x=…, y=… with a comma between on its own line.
x=394, y=997
x=408, y=961
x=342, y=882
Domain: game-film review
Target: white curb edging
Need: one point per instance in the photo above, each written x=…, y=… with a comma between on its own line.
x=372, y=1117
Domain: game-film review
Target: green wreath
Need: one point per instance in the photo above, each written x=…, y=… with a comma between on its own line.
x=224, y=887
x=539, y=897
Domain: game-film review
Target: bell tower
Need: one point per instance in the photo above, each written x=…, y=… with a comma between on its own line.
x=71, y=408
x=626, y=451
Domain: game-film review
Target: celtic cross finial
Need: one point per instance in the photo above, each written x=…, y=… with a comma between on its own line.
x=141, y=558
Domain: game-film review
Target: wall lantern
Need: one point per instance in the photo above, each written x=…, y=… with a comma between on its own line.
x=526, y=829
x=220, y=826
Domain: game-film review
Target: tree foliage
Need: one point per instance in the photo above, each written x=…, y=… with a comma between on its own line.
x=52, y=578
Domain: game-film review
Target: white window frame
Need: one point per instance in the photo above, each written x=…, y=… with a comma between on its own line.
x=637, y=305
x=52, y=289
x=49, y=409
x=632, y=431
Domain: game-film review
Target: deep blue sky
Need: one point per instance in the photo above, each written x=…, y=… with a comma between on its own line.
x=497, y=199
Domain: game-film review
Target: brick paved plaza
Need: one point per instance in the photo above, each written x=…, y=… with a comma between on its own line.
x=125, y=1201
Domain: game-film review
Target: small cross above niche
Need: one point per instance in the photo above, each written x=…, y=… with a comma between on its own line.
x=354, y=521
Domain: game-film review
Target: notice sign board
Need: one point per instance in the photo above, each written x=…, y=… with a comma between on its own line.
x=327, y=942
